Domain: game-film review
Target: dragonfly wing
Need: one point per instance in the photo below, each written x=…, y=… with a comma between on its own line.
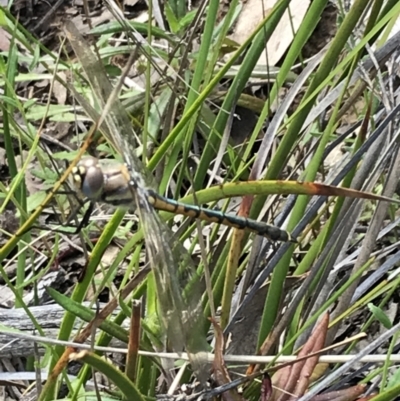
x=176, y=280
x=178, y=287
x=117, y=126
x=178, y=284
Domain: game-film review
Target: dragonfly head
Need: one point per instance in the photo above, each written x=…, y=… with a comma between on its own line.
x=88, y=177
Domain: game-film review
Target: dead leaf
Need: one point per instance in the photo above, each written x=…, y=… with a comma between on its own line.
x=130, y=2
x=3, y=157
x=292, y=381
x=6, y=297
x=33, y=184
x=59, y=90
x=221, y=373
x=266, y=388
x=254, y=11
x=4, y=40
x=302, y=374
x=279, y=381
x=348, y=394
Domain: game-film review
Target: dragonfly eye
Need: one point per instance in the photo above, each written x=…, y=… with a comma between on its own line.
x=89, y=178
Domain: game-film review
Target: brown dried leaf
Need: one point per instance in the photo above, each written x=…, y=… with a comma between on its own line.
x=4, y=40
x=130, y=2
x=254, y=11
x=33, y=184
x=266, y=388
x=348, y=394
x=315, y=343
x=59, y=90
x=220, y=371
x=319, y=371
x=7, y=297
x=279, y=380
x=292, y=381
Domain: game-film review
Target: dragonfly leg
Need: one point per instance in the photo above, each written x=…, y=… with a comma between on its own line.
x=83, y=223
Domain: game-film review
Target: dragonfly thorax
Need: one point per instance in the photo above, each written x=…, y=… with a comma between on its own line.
x=88, y=178
x=103, y=181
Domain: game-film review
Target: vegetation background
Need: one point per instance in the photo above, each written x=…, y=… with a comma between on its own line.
x=298, y=102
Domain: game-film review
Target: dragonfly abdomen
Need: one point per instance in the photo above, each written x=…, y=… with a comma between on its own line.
x=215, y=216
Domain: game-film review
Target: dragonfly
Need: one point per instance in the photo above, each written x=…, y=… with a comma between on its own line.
x=109, y=182
x=124, y=185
